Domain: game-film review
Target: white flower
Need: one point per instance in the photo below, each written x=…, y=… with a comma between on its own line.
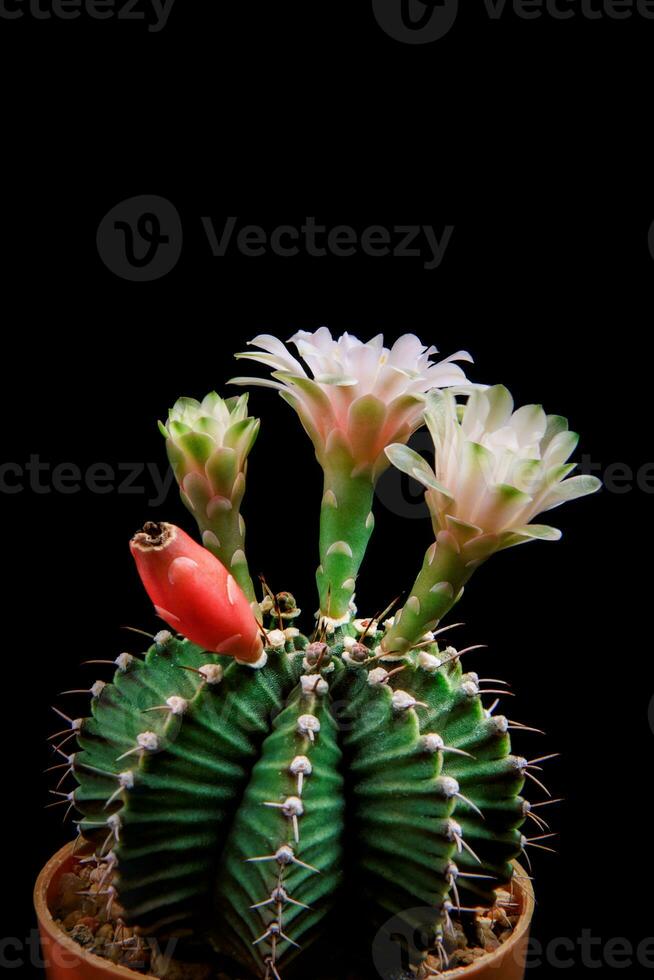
x=354, y=399
x=495, y=468
x=360, y=396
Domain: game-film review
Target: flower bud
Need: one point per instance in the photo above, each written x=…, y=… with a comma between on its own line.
x=194, y=593
x=208, y=443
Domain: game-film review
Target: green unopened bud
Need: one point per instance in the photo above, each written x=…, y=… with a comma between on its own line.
x=286, y=605
x=208, y=443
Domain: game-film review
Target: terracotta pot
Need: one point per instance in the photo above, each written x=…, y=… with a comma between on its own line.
x=508, y=960
x=66, y=960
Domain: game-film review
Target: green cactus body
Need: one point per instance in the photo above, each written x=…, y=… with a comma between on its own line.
x=246, y=807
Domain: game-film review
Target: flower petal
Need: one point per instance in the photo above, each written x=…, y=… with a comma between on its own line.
x=474, y=476
x=562, y=445
x=196, y=446
x=410, y=462
x=365, y=423
x=221, y=469
x=576, y=486
x=261, y=382
x=315, y=401
x=529, y=532
x=336, y=379
x=275, y=346
x=501, y=506
x=529, y=423
x=462, y=530
x=555, y=424
x=406, y=349
x=270, y=360
x=500, y=406
x=242, y=435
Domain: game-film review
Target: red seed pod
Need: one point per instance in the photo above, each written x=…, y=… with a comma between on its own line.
x=194, y=593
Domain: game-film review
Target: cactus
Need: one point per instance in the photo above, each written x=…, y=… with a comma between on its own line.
x=258, y=795
x=217, y=788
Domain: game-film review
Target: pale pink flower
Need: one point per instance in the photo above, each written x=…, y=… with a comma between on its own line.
x=355, y=396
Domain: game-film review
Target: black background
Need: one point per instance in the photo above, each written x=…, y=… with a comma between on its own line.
x=530, y=138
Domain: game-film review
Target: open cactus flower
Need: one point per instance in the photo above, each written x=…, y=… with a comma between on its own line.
x=356, y=400
x=496, y=470
x=252, y=790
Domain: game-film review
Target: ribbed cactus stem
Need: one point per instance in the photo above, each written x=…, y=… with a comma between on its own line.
x=263, y=811
x=444, y=572
x=346, y=523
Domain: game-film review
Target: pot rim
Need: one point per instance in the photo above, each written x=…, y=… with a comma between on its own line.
x=56, y=934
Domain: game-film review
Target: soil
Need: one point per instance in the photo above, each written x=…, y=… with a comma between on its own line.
x=87, y=910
